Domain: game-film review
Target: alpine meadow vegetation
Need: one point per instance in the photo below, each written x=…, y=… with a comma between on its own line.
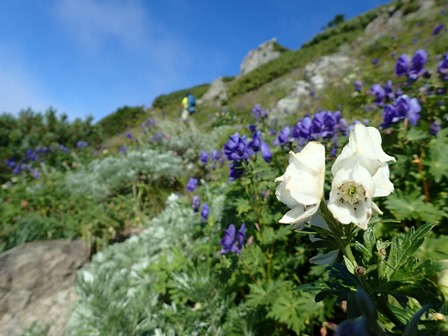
x=330, y=220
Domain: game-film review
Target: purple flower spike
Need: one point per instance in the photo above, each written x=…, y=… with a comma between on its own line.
x=358, y=85
x=192, y=184
x=236, y=148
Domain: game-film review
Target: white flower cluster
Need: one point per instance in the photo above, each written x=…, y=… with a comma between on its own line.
x=360, y=173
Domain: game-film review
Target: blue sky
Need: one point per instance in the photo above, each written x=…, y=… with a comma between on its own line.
x=90, y=57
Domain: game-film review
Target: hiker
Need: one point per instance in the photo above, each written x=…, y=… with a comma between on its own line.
x=188, y=106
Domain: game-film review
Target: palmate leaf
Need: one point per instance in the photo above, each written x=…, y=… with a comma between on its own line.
x=403, y=247
x=412, y=206
x=294, y=309
x=243, y=206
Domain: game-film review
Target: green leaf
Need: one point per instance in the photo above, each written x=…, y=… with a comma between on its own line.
x=412, y=206
x=350, y=265
x=438, y=160
x=242, y=206
x=415, y=134
x=403, y=247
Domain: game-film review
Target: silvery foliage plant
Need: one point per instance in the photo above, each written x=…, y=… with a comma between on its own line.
x=118, y=292
x=103, y=177
x=384, y=287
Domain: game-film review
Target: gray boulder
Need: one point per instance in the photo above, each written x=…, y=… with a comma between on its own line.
x=265, y=52
x=316, y=76
x=216, y=94
x=36, y=285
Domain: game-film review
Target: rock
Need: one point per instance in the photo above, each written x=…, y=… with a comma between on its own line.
x=300, y=92
x=217, y=93
x=325, y=69
x=388, y=20
x=265, y=52
x=316, y=76
x=36, y=284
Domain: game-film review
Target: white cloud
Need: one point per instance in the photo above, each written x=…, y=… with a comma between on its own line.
x=92, y=22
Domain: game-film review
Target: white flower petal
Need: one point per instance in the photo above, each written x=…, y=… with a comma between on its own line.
x=364, y=144
x=299, y=215
x=301, y=187
x=383, y=186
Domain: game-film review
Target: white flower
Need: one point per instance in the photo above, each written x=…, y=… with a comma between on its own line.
x=364, y=145
x=351, y=196
x=302, y=185
x=360, y=173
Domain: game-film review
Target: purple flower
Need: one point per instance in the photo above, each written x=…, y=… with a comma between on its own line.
x=236, y=170
x=442, y=68
x=282, y=137
x=259, y=113
x=62, y=148
x=266, y=152
x=302, y=130
x=123, y=149
x=31, y=155
x=403, y=107
x=389, y=113
x=233, y=241
x=438, y=29
x=418, y=64
x=375, y=61
x=388, y=91
x=192, y=184
x=196, y=203
x=158, y=137
x=236, y=148
x=378, y=92
x=35, y=173
x=435, y=127
x=129, y=135
x=215, y=155
x=255, y=144
x=204, y=212
x=402, y=65
x=358, y=85
x=81, y=144
x=252, y=128
x=11, y=163
x=203, y=157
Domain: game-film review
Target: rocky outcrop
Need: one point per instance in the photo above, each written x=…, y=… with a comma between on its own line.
x=265, y=52
x=316, y=76
x=36, y=285
x=216, y=94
